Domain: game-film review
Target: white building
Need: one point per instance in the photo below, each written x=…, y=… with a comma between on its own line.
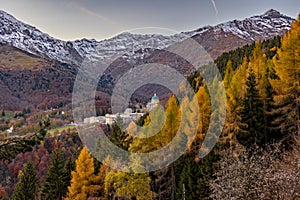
x=127, y=116
x=153, y=103
x=110, y=118
x=92, y=120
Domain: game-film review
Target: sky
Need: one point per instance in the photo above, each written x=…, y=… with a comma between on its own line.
x=100, y=19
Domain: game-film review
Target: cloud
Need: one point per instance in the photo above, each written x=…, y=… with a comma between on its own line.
x=215, y=7
x=91, y=13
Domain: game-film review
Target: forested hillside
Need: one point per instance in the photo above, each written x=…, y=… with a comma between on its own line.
x=257, y=155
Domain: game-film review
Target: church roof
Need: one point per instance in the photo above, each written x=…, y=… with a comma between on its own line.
x=155, y=97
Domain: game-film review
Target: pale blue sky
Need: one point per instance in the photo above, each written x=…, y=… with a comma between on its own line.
x=76, y=19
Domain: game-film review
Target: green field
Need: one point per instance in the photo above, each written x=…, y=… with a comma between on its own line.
x=52, y=131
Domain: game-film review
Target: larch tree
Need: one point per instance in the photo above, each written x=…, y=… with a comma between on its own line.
x=287, y=89
x=162, y=128
x=163, y=180
x=238, y=84
x=258, y=62
x=233, y=122
x=84, y=182
x=204, y=110
x=192, y=173
x=235, y=91
x=151, y=133
x=229, y=73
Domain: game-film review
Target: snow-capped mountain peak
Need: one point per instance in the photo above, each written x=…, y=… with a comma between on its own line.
x=273, y=13
x=268, y=25
x=32, y=40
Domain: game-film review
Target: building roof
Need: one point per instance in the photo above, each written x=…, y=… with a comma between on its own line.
x=155, y=97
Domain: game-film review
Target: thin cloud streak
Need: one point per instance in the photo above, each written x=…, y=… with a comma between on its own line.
x=92, y=13
x=216, y=9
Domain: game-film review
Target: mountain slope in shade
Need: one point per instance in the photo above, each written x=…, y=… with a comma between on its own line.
x=29, y=81
x=215, y=39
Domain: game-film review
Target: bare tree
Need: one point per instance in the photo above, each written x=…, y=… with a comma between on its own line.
x=258, y=174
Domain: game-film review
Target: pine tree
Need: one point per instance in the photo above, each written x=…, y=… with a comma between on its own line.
x=186, y=181
x=204, y=173
x=69, y=167
x=84, y=182
x=56, y=181
x=271, y=132
x=252, y=114
x=27, y=185
x=118, y=136
x=194, y=176
x=264, y=71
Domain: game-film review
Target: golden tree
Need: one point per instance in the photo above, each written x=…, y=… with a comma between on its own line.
x=287, y=66
x=84, y=182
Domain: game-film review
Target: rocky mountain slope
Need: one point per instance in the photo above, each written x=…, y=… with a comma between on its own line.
x=234, y=33
x=38, y=71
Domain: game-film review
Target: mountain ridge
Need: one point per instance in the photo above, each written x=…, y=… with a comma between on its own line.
x=46, y=83
x=30, y=39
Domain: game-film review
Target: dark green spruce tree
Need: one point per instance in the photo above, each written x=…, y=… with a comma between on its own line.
x=194, y=176
x=118, y=136
x=57, y=178
x=252, y=115
x=69, y=167
x=26, y=187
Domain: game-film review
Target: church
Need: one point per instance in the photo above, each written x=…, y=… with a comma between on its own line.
x=153, y=103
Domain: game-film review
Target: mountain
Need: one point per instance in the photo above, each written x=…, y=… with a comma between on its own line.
x=261, y=27
x=38, y=71
x=28, y=38
x=232, y=34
